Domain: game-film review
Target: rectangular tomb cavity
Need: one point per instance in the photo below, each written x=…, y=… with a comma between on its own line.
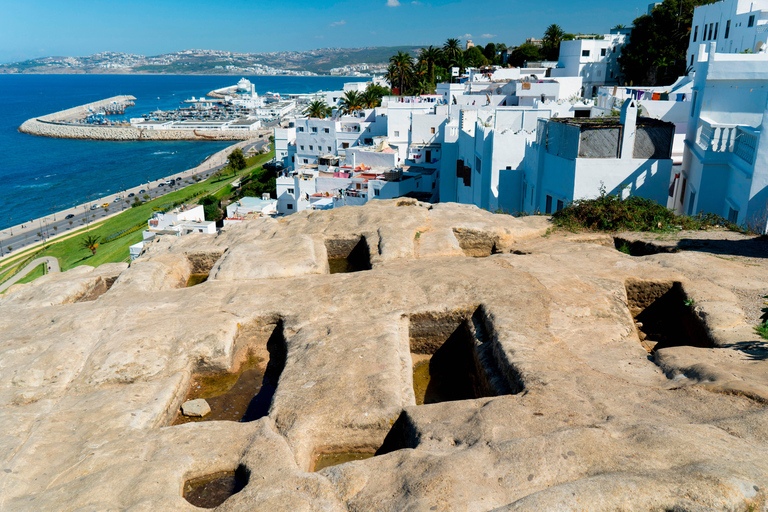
x=477, y=244
x=349, y=254
x=453, y=357
x=246, y=394
x=201, y=264
x=664, y=316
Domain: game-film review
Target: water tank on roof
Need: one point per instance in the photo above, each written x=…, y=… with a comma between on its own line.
x=393, y=175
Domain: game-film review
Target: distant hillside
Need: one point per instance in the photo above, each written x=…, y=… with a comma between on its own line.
x=319, y=61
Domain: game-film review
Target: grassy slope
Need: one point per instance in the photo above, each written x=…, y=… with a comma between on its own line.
x=37, y=272
x=70, y=252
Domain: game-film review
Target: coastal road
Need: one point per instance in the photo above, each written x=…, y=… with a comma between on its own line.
x=37, y=230
x=53, y=266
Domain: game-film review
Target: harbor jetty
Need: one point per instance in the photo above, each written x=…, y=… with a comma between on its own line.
x=69, y=124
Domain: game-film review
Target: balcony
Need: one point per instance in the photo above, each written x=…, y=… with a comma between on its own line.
x=728, y=138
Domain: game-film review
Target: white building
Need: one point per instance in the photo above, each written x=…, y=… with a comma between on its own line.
x=251, y=207
x=725, y=165
x=594, y=60
x=178, y=222
x=318, y=138
x=577, y=158
x=734, y=26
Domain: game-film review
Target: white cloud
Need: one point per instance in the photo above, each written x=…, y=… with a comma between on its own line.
x=416, y=3
x=488, y=36
x=392, y=3
x=337, y=23
x=319, y=37
x=465, y=36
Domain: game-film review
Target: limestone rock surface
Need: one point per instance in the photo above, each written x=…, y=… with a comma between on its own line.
x=539, y=394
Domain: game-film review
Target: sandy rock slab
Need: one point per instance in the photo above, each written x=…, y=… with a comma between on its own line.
x=454, y=360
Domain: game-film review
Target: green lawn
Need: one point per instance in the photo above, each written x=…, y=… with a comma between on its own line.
x=71, y=253
x=37, y=272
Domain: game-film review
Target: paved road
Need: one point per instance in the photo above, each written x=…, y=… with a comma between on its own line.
x=53, y=266
x=74, y=218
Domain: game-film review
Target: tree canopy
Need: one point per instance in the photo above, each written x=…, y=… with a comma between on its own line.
x=237, y=159
x=656, y=51
x=318, y=109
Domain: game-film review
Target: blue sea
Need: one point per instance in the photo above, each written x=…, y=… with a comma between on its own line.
x=39, y=175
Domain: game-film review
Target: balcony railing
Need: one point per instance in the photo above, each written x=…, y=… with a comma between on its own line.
x=746, y=144
x=729, y=138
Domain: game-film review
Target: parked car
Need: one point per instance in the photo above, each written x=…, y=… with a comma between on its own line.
x=142, y=191
x=71, y=215
x=94, y=206
x=105, y=205
x=131, y=194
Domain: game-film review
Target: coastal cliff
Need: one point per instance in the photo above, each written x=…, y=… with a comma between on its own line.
x=541, y=389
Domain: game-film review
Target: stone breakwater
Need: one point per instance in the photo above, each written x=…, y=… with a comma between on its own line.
x=58, y=125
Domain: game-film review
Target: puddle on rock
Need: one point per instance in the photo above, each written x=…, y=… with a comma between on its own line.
x=210, y=491
x=326, y=460
x=228, y=394
x=195, y=279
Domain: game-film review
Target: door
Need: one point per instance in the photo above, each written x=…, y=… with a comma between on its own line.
x=428, y=157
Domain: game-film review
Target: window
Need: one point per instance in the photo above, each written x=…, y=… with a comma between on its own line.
x=509, y=167
x=711, y=26
x=432, y=130
x=751, y=22
x=478, y=164
x=345, y=145
x=682, y=191
x=314, y=129
x=559, y=205
x=301, y=128
x=290, y=190
x=696, y=32
x=397, y=134
x=717, y=25
x=326, y=130
x=691, y=60
x=585, y=53
x=311, y=148
x=289, y=206
x=603, y=51
x=329, y=149
x=548, y=208
x=691, y=200
x=727, y=29
x=376, y=192
x=733, y=215
x=704, y=32
x=306, y=161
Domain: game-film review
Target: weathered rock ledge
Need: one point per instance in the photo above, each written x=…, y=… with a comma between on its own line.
x=566, y=408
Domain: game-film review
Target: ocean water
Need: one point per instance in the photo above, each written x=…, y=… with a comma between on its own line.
x=39, y=175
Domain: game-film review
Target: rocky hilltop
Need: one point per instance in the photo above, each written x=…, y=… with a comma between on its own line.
x=488, y=367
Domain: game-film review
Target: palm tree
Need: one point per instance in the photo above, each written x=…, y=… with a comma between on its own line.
x=350, y=102
x=91, y=243
x=428, y=57
x=370, y=98
x=400, y=70
x=318, y=109
x=451, y=49
x=551, y=41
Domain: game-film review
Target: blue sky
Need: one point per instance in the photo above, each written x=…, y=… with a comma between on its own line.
x=38, y=28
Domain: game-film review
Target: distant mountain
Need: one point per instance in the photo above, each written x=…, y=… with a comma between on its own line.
x=320, y=61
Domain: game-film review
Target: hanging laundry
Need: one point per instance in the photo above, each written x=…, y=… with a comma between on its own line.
x=664, y=96
x=655, y=96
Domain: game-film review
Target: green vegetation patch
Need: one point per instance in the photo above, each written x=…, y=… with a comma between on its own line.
x=611, y=213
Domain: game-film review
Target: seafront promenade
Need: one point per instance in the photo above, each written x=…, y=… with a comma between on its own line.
x=60, y=125
x=25, y=235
